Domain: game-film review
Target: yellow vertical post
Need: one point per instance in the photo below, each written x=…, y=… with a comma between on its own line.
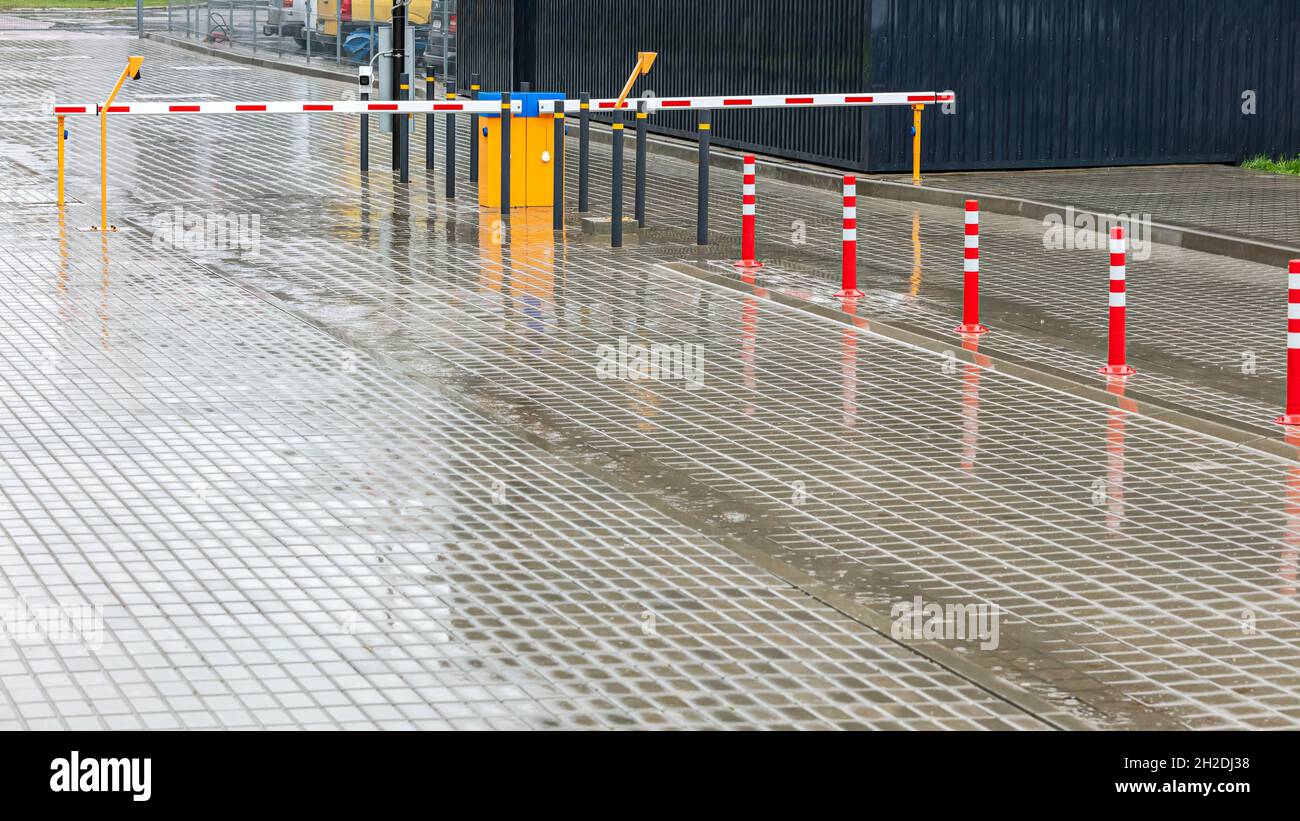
x=103, y=169
x=916, y=143
x=60, y=196
x=132, y=70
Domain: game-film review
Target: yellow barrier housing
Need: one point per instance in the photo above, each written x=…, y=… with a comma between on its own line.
x=532, y=152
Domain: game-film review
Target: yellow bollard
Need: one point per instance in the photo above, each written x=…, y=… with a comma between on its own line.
x=916, y=143
x=60, y=196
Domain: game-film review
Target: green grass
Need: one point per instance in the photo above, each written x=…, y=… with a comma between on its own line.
x=1262, y=163
x=75, y=4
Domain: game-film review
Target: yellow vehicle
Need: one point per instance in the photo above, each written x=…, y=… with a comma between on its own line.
x=356, y=13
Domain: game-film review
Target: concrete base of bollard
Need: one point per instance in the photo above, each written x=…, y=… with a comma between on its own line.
x=600, y=226
x=1116, y=370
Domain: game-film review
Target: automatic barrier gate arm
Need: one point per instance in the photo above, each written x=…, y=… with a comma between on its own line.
x=890, y=98
x=916, y=100
x=287, y=107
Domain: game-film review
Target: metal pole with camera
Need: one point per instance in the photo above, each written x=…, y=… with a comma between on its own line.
x=398, y=58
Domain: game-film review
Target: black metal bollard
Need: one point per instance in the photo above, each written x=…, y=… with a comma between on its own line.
x=505, y=154
x=584, y=151
x=397, y=136
x=451, y=143
x=404, y=93
x=557, y=171
x=702, y=184
x=365, y=135
x=616, y=186
x=430, y=119
x=642, y=121
x=473, y=131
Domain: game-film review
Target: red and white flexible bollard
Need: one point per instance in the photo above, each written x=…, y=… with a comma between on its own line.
x=748, y=227
x=849, y=265
x=970, y=311
x=1292, y=415
x=1115, y=360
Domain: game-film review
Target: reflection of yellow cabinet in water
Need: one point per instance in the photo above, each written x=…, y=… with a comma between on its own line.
x=532, y=153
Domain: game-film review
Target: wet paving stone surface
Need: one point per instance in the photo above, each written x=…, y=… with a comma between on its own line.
x=395, y=341
x=277, y=532
x=1220, y=199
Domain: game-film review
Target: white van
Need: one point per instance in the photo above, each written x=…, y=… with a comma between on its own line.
x=290, y=19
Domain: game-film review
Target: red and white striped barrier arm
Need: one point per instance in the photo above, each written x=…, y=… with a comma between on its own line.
x=492, y=107
x=759, y=101
x=291, y=107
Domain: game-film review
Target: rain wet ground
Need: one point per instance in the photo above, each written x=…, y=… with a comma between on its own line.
x=1215, y=198
x=385, y=343
x=278, y=532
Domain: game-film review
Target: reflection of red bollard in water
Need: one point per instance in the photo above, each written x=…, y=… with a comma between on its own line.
x=1292, y=415
x=747, y=225
x=849, y=265
x=749, y=349
x=970, y=312
x=1115, y=364
x=1291, y=542
x=970, y=406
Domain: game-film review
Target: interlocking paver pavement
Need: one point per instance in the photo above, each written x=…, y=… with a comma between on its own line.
x=1205, y=332
x=1146, y=573
x=1216, y=198
x=282, y=534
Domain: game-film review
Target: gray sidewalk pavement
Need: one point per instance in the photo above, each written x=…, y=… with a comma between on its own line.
x=1219, y=199
x=1145, y=573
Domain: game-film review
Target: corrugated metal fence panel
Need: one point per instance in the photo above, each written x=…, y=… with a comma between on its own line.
x=485, y=42
x=1039, y=84
x=714, y=47
x=1092, y=82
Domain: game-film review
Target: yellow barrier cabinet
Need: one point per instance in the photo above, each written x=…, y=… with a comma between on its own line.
x=532, y=152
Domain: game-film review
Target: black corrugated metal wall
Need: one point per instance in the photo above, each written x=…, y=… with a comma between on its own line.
x=1091, y=82
x=485, y=42
x=760, y=46
x=1039, y=84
